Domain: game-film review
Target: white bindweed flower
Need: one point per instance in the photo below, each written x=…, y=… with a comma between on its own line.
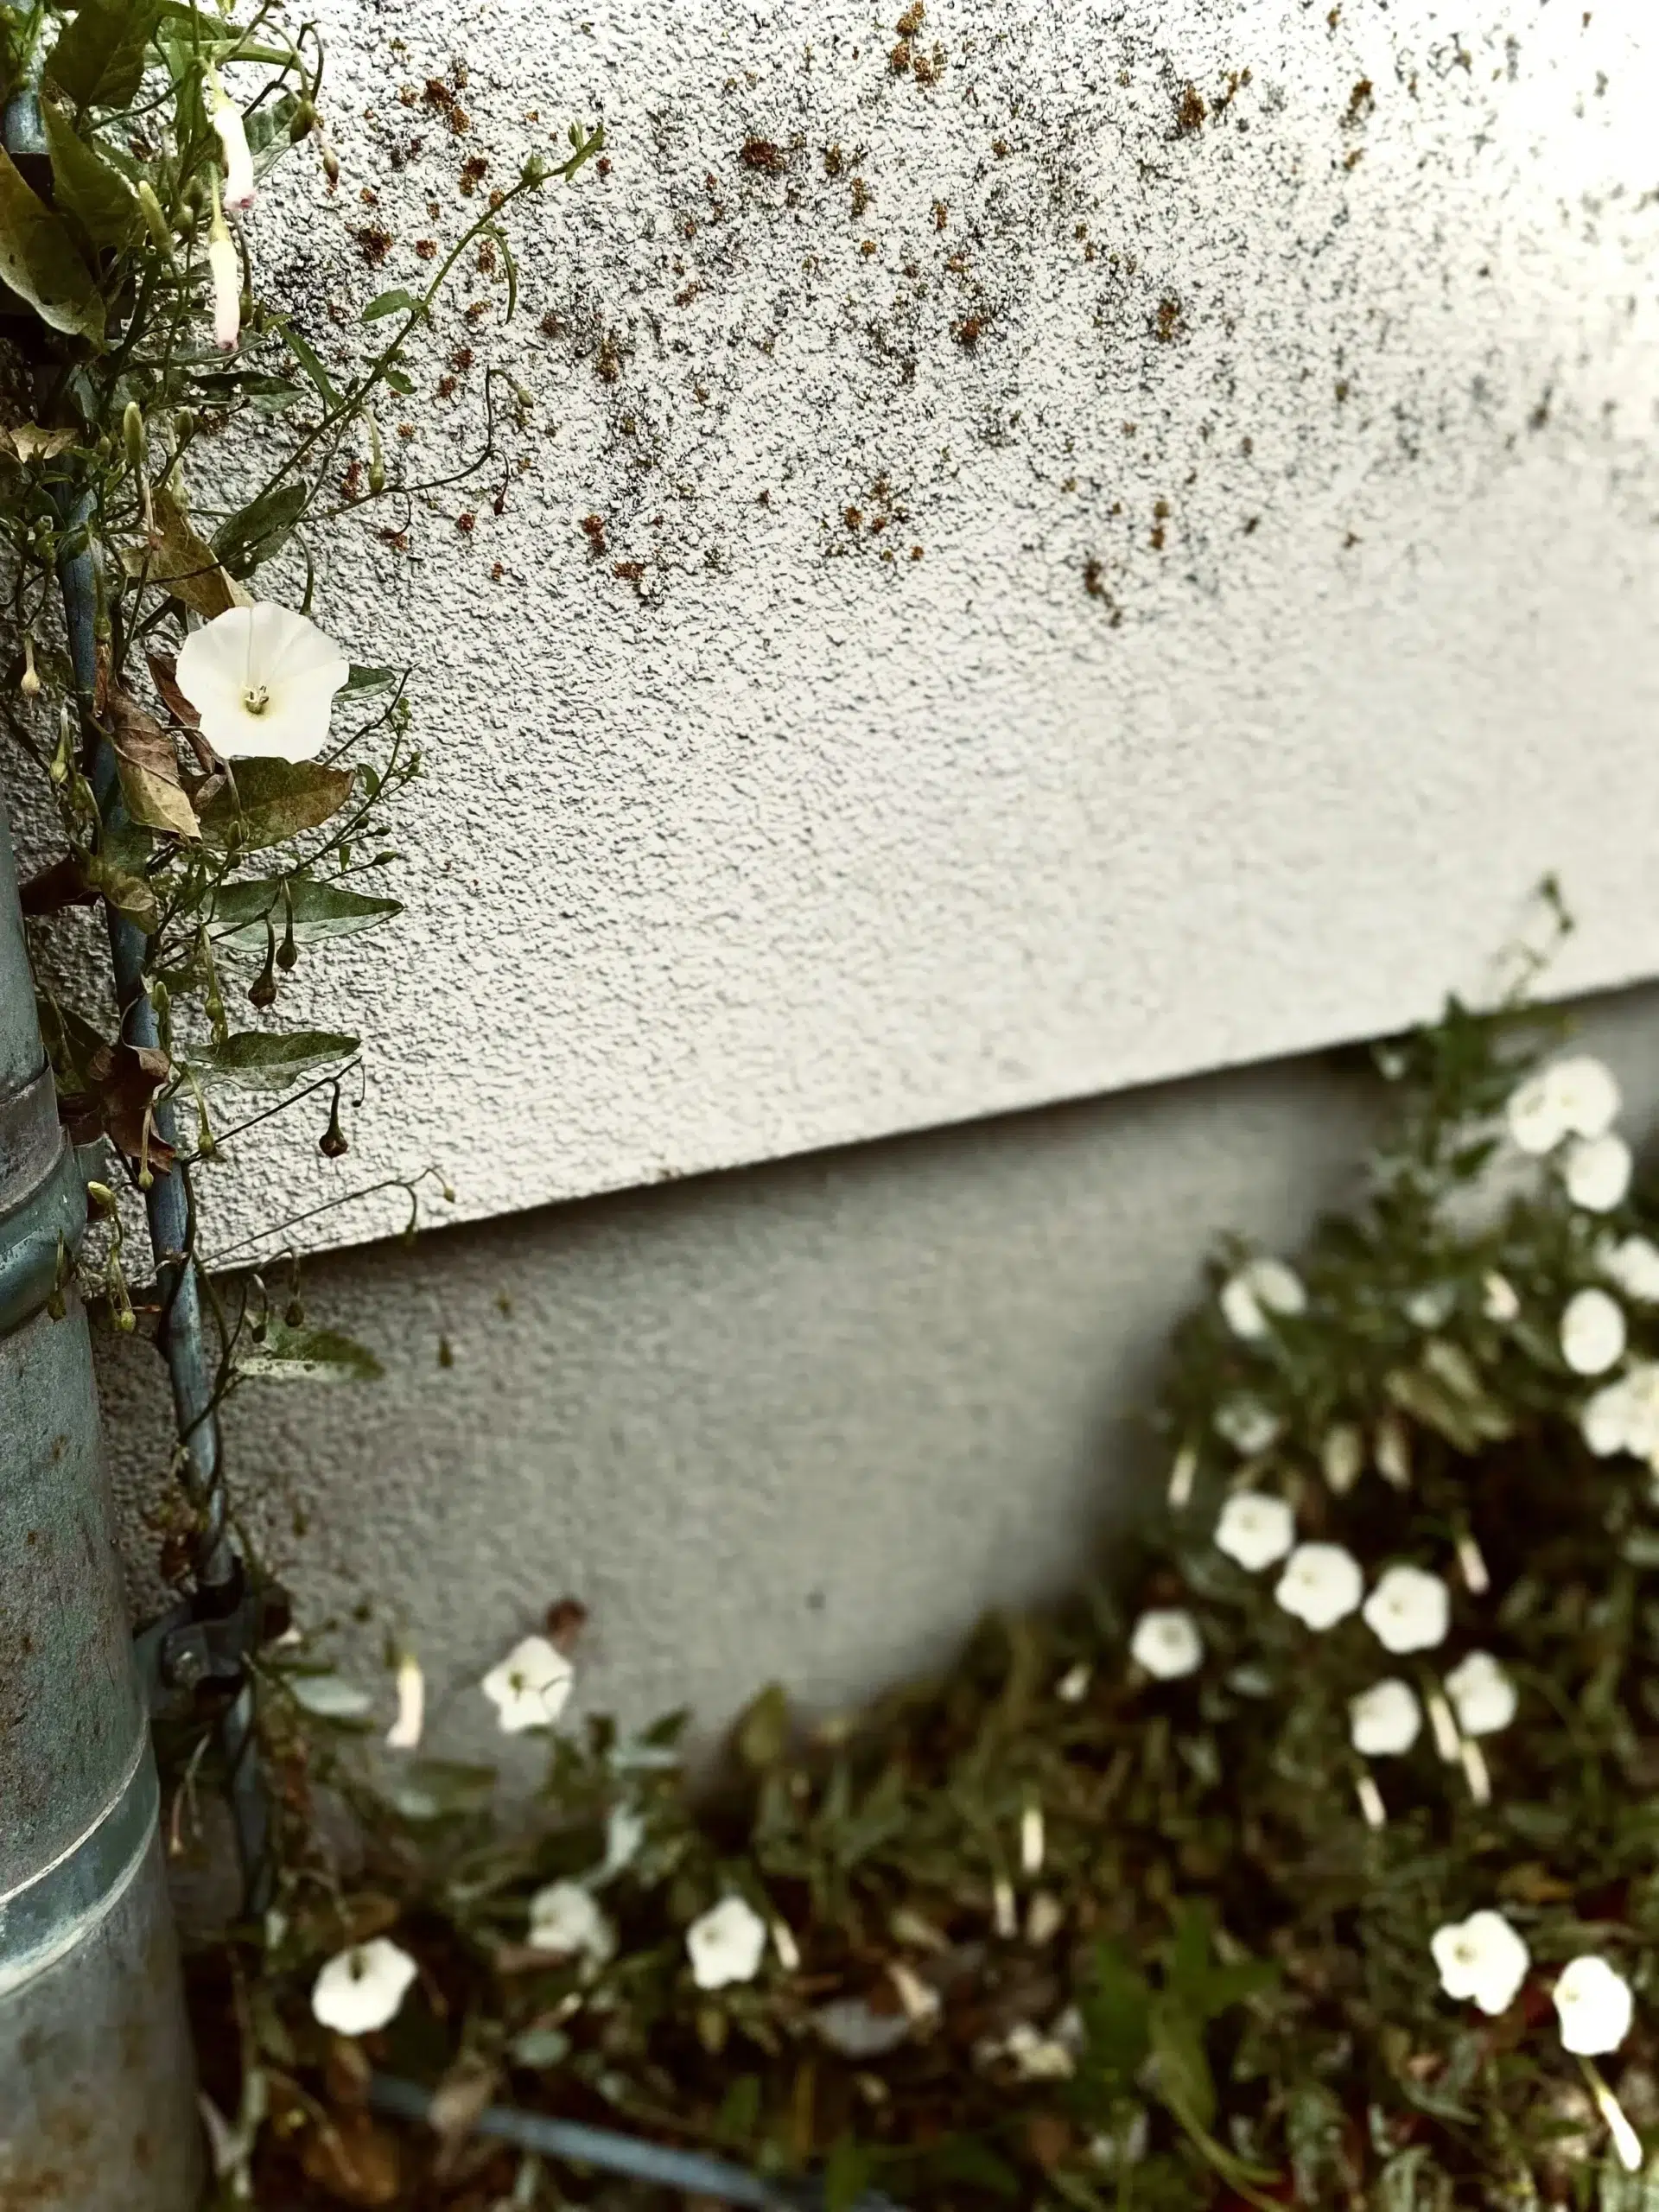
x=530, y=1688
x=1255, y=1530
x=1574, y=1098
x=1321, y=1584
x=725, y=1944
x=1261, y=1289
x=361, y=1989
x=1499, y=1299
x=226, y=119
x=1483, y=1694
x=1623, y=1416
x=1592, y=1332
x=565, y=1920
x=405, y=1733
x=1633, y=1264
x=1385, y=1721
x=1073, y=1685
x=1594, y=2006
x=1482, y=1958
x=225, y=272
x=1409, y=1610
x=1248, y=1424
x=262, y=679
x=1429, y=1307
x=1597, y=1171
x=1037, y=2057
x=1166, y=1643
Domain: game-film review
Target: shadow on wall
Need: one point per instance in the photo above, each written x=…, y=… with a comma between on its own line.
x=800, y=1421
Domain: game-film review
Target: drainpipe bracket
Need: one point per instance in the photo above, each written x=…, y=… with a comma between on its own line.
x=200, y=1647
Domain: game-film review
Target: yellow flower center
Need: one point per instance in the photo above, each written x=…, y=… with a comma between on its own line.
x=255, y=698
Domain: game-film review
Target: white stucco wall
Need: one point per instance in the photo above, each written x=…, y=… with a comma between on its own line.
x=1285, y=488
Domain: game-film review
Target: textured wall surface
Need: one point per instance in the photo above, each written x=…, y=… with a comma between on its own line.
x=800, y=1421
x=1127, y=545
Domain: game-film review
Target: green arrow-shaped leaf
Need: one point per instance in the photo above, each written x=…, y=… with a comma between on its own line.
x=242, y=912
x=270, y=1060
x=85, y=186
x=98, y=61
x=38, y=260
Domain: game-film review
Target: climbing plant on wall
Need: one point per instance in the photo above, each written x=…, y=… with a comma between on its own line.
x=184, y=430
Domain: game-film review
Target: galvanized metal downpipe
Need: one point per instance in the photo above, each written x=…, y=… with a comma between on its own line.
x=96, y=2081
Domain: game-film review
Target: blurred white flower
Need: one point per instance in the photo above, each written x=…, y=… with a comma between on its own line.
x=1597, y=1171
x=1073, y=1685
x=1484, y=1695
x=1594, y=2004
x=1626, y=2142
x=788, y=1950
x=1409, y=1610
x=1482, y=1958
x=1633, y=1264
x=1342, y=1456
x=262, y=679
x=1166, y=1643
x=1044, y=1917
x=226, y=119
x=1255, y=1530
x=1385, y=1721
x=405, y=1733
x=1371, y=1802
x=725, y=1944
x=361, y=1989
x=1498, y=1300
x=1260, y=1289
x=565, y=1920
x=1032, y=1840
x=530, y=1688
x=1574, y=1098
x=1037, y=2057
x=1429, y=1307
x=1623, y=1416
x=1592, y=1332
x=1321, y=1584
x=1248, y=1424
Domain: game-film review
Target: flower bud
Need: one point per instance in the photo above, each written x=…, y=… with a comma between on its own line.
x=226, y=272
x=155, y=223
x=101, y=1195
x=132, y=433
x=302, y=122
x=28, y=683
x=377, y=457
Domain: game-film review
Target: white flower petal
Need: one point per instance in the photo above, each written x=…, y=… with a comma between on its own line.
x=361, y=1989
x=565, y=1920
x=262, y=679
x=530, y=1688
x=1592, y=1332
x=225, y=272
x=1256, y=1529
x=1586, y=1094
x=1321, y=1584
x=1534, y=1114
x=1484, y=1695
x=1409, y=1610
x=1481, y=1958
x=1594, y=2004
x=1597, y=1171
x=1633, y=1264
x=405, y=1733
x=1498, y=1300
x=725, y=1944
x=1385, y=1721
x=1166, y=1643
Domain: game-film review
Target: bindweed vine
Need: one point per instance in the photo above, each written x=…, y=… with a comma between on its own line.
x=224, y=773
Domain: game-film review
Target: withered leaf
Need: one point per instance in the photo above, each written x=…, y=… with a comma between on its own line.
x=149, y=769
x=176, y=558
x=122, y=1081
x=163, y=668
x=353, y=2159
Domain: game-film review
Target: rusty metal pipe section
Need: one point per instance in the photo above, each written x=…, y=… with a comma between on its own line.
x=97, y=2083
